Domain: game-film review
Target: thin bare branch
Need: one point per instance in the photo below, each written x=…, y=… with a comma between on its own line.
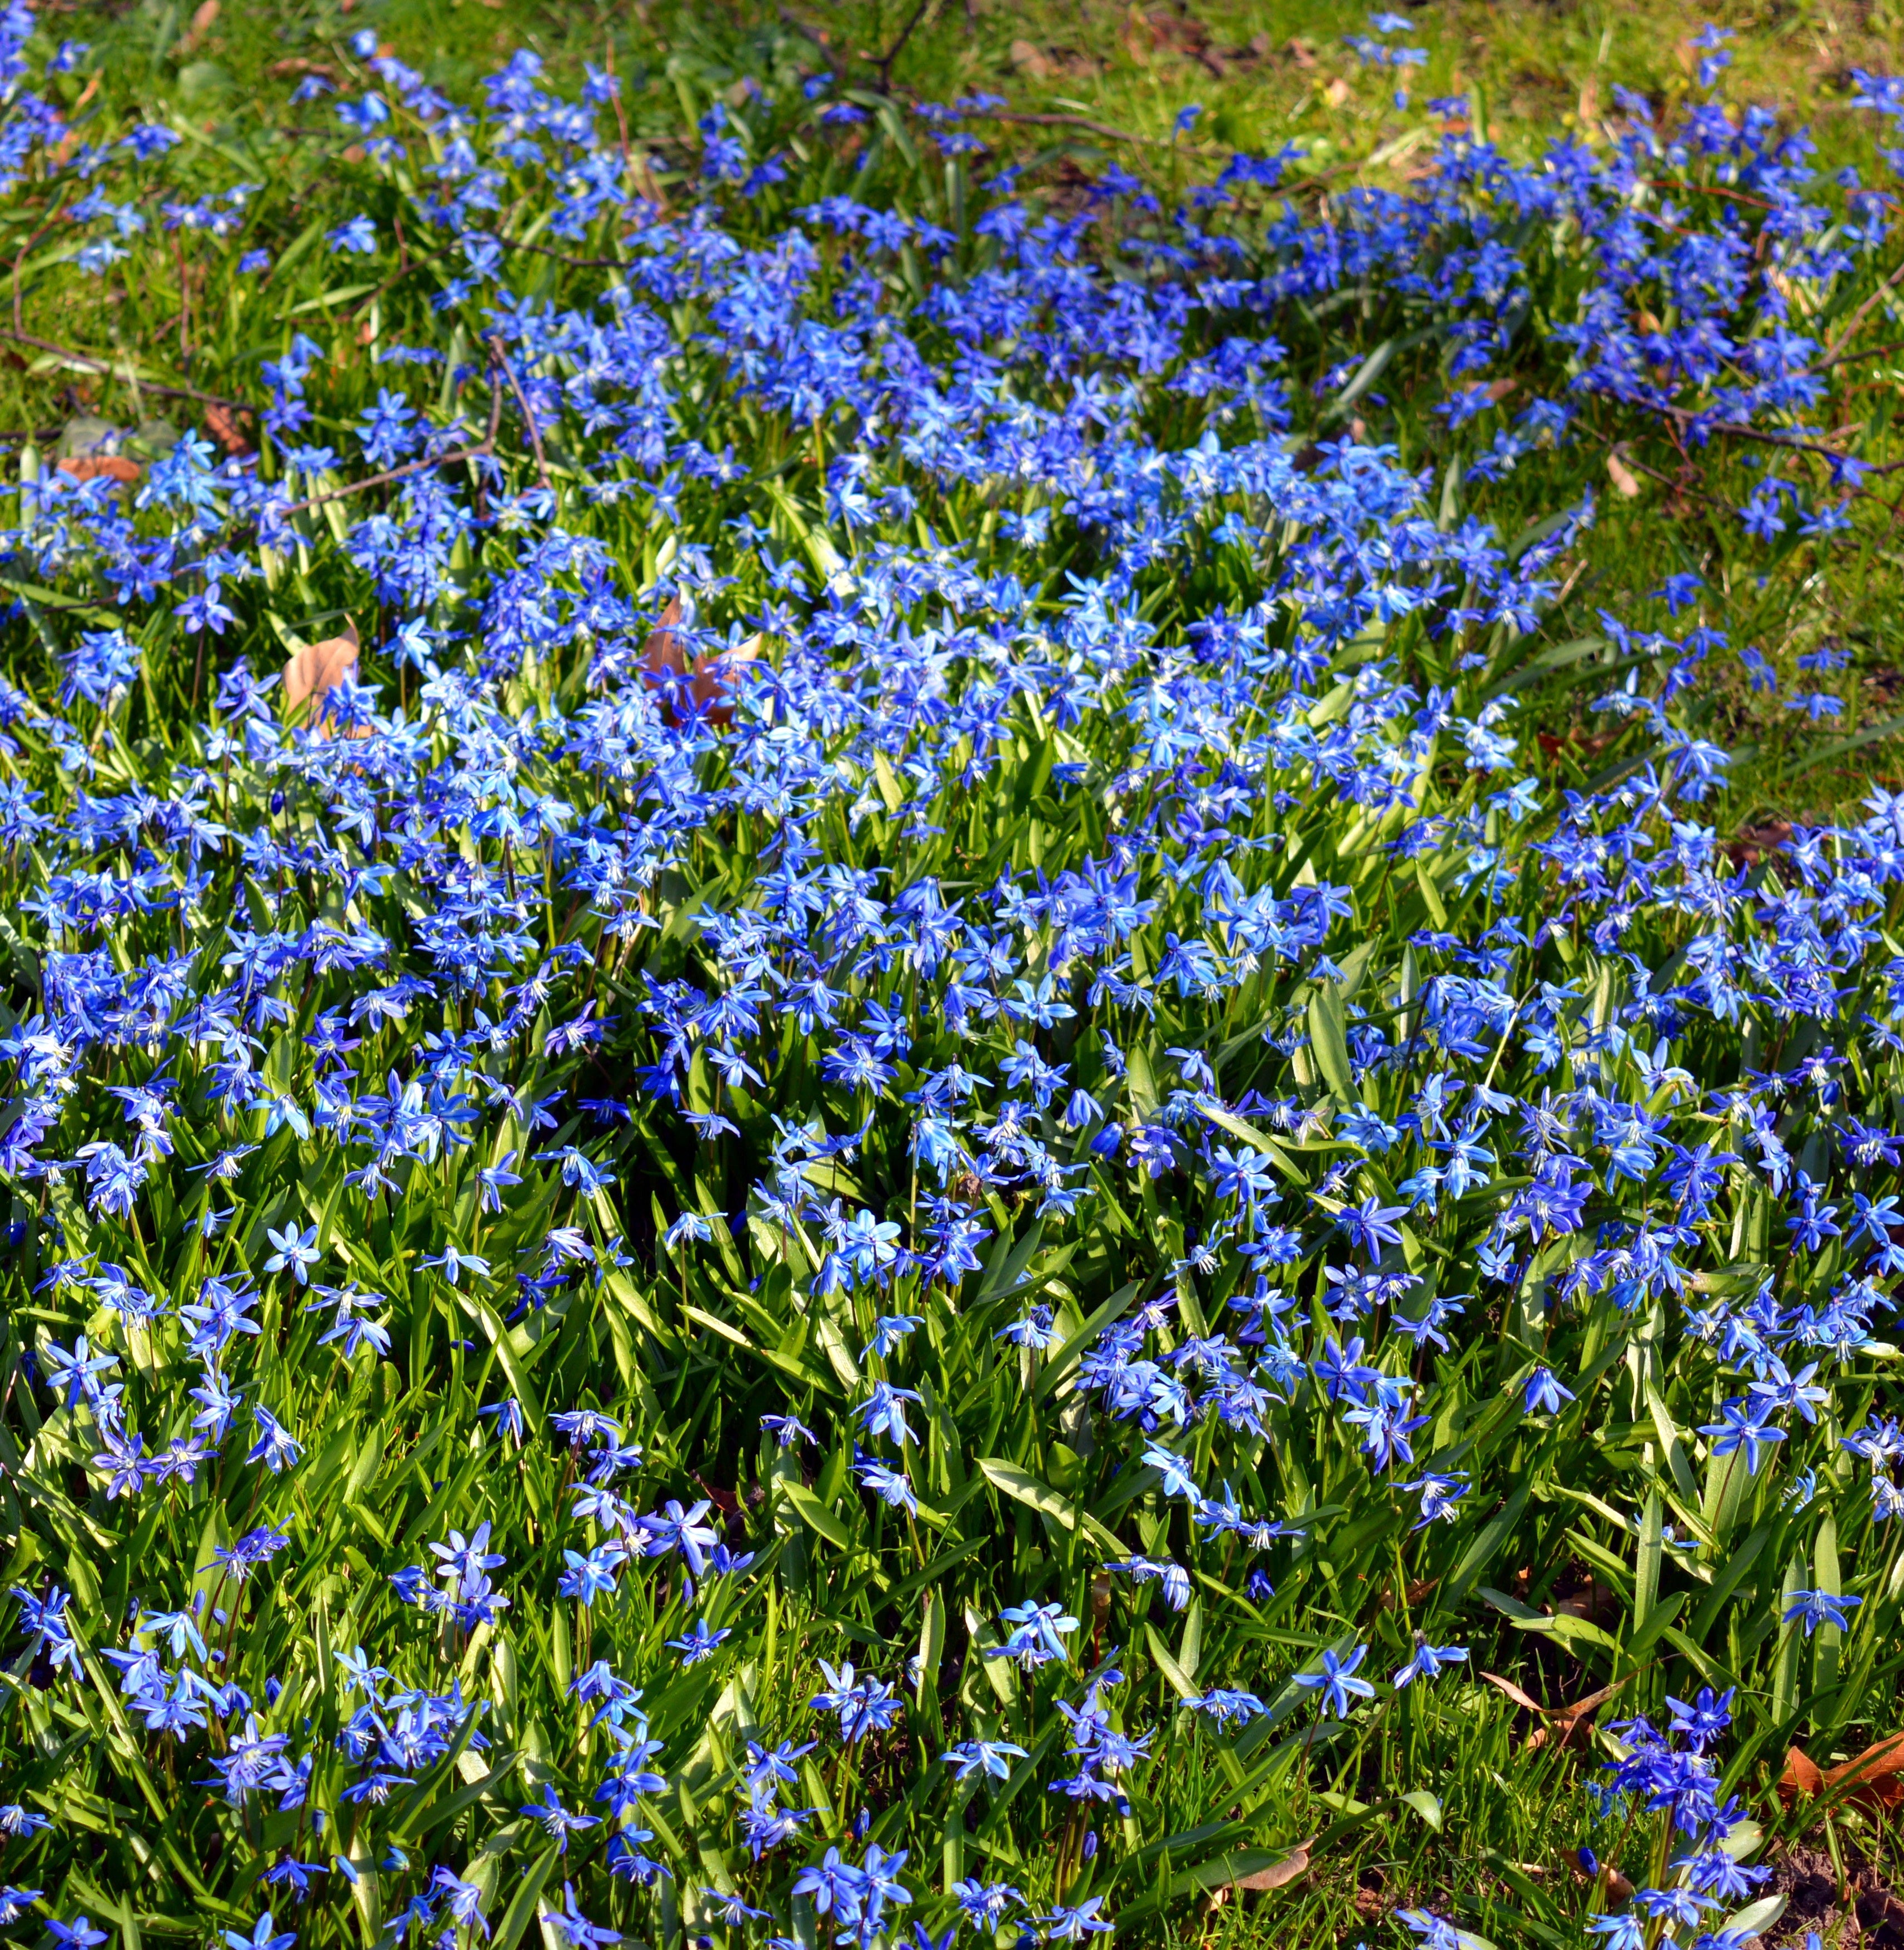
x=119, y=372
x=482, y=448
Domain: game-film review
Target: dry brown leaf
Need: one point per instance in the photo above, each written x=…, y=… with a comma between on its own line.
x=1802, y=1776
x=91, y=466
x=222, y=424
x=319, y=668
x=1301, y=52
x=1416, y=1592
x=1029, y=56
x=1514, y=1692
x=1753, y=843
x=710, y=684
x=1567, y=1725
x=1100, y=1601
x=68, y=144
x=1622, y=476
x=1295, y=1864
x=1871, y=1780
x=1614, y=1888
x=204, y=17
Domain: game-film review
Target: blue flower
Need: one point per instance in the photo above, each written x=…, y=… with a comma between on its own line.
x=699, y=1642
x=295, y=1249
x=1336, y=1682
x=1820, y=1608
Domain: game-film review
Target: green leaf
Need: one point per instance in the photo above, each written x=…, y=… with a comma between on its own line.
x=1425, y=1805
x=1784, y=1682
x=1023, y=1487
x=1756, y=1917
x=815, y=1514
x=1673, y=1445
x=1183, y=1683
x=1646, y=1576
x=1254, y=1139
x=516, y=1918
x=520, y=1385
x=1482, y=1551
x=1328, y=1037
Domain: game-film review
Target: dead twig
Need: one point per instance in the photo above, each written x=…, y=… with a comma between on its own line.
x=1666, y=480
x=819, y=40
x=1836, y=349
x=184, y=302
x=1867, y=352
x=1710, y=189
x=898, y=46
x=1045, y=121
x=561, y=257
x=529, y=412
x=122, y=373
x=1736, y=430
x=19, y=262
x=481, y=449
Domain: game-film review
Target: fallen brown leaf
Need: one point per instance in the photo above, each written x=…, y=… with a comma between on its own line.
x=204, y=17
x=68, y=144
x=1032, y=58
x=1753, y=843
x=710, y=684
x=1592, y=1600
x=222, y=424
x=1570, y=1723
x=319, y=668
x=1871, y=1780
x=91, y=466
x=1295, y=1864
x=1875, y=1773
x=1514, y=1692
x=1587, y=746
x=1802, y=1776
